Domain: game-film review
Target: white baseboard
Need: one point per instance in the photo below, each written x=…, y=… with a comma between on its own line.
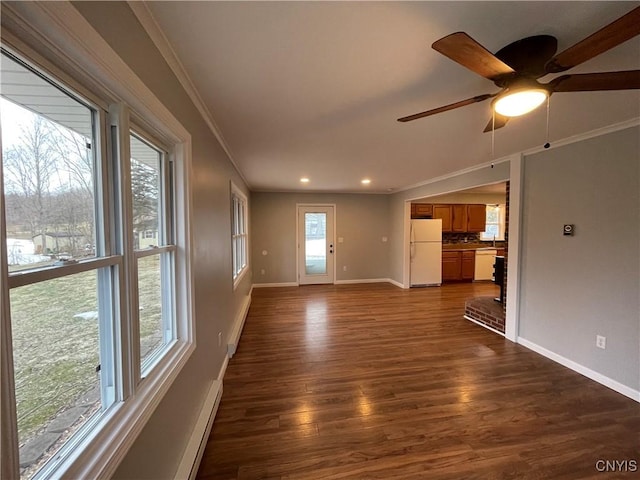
x=238, y=325
x=483, y=325
x=192, y=456
x=362, y=280
x=337, y=282
x=581, y=369
x=269, y=285
x=397, y=284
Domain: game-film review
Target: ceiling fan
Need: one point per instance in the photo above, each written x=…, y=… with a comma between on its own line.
x=517, y=67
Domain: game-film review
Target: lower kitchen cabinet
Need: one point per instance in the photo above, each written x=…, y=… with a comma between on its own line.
x=451, y=266
x=468, y=265
x=458, y=265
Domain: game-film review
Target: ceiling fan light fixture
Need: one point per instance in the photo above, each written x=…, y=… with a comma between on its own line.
x=518, y=102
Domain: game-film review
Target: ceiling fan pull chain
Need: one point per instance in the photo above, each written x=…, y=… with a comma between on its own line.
x=493, y=136
x=547, y=144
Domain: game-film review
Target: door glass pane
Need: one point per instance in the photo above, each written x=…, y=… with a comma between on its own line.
x=315, y=243
x=56, y=357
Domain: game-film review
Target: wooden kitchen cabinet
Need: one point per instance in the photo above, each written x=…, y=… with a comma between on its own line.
x=421, y=210
x=451, y=266
x=458, y=218
x=444, y=213
x=468, y=267
x=476, y=218
x=458, y=266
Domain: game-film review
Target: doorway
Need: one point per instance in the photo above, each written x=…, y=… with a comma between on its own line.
x=316, y=259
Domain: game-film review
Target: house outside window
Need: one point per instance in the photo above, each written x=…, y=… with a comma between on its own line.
x=239, y=242
x=90, y=309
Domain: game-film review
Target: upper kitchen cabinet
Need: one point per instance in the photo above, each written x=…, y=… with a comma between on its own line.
x=456, y=217
x=459, y=218
x=421, y=210
x=476, y=218
x=444, y=213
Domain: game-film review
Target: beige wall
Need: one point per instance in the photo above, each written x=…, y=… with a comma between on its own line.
x=361, y=220
x=574, y=288
x=485, y=198
x=158, y=450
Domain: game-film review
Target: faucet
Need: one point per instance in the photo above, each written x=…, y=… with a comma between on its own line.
x=494, y=241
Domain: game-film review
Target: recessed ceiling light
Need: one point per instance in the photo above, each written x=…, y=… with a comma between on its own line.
x=365, y=181
x=304, y=180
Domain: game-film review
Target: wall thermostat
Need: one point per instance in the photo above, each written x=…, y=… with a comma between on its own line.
x=568, y=230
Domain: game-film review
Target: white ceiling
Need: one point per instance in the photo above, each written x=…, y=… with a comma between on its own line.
x=314, y=88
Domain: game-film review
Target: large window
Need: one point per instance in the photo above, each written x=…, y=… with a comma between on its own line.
x=59, y=265
x=91, y=267
x=238, y=233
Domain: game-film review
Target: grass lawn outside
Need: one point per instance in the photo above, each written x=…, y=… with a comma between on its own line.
x=56, y=345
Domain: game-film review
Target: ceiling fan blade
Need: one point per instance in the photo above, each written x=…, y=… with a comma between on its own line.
x=463, y=49
x=590, y=82
x=462, y=103
x=617, y=32
x=500, y=121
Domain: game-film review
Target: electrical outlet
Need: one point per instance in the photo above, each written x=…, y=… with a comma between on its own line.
x=601, y=342
x=344, y=269
x=219, y=339
x=262, y=272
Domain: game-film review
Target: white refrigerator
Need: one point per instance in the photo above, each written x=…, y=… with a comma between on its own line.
x=426, y=252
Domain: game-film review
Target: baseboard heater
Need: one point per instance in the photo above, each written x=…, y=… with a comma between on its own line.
x=188, y=468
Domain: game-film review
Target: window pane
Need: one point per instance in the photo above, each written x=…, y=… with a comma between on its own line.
x=56, y=355
x=145, y=189
x=492, y=231
x=315, y=243
x=152, y=306
x=493, y=214
x=48, y=171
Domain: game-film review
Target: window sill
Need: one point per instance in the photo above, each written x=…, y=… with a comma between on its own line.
x=238, y=279
x=98, y=455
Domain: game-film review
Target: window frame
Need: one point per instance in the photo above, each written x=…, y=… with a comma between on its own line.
x=239, y=234
x=165, y=249
x=46, y=36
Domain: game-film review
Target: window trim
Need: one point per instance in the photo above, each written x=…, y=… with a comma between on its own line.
x=501, y=224
x=69, y=49
x=239, y=194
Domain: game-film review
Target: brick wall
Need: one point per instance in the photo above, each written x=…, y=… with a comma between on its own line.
x=506, y=248
x=485, y=310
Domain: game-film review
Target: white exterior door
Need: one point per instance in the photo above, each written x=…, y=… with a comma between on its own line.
x=316, y=244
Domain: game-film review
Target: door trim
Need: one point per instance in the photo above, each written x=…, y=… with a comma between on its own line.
x=297, y=249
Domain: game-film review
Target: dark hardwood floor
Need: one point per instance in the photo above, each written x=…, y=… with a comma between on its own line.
x=374, y=382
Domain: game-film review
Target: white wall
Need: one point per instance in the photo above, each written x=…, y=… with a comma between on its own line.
x=574, y=288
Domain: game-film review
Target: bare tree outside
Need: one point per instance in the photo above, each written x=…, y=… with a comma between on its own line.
x=49, y=184
x=30, y=167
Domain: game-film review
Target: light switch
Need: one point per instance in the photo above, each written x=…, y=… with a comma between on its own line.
x=340, y=239
x=384, y=239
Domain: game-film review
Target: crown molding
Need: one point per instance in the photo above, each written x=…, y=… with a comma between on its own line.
x=159, y=39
